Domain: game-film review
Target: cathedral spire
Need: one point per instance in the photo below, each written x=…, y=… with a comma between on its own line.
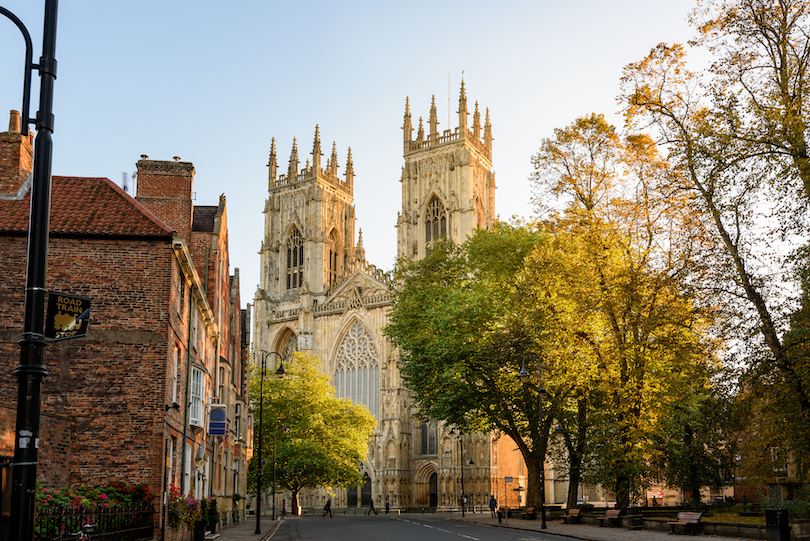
x=407, y=127
x=488, y=133
x=420, y=135
x=272, y=164
x=349, y=169
x=462, y=112
x=359, y=251
x=333, y=164
x=292, y=169
x=434, y=121
x=316, y=151
x=477, y=124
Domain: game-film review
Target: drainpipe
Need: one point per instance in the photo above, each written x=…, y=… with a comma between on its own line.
x=188, y=385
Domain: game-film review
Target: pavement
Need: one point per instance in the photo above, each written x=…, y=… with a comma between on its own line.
x=246, y=531
x=584, y=532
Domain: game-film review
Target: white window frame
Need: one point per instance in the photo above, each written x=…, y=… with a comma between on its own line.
x=195, y=410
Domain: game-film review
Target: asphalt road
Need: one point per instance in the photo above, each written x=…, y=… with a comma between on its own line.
x=397, y=528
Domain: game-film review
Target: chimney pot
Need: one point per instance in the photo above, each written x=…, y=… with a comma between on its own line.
x=14, y=122
x=176, y=158
x=144, y=157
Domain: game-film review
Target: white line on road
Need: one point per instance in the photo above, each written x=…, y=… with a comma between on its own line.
x=468, y=536
x=427, y=526
x=445, y=531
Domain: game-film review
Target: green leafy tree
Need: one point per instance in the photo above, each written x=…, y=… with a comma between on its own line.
x=464, y=326
x=696, y=443
x=320, y=439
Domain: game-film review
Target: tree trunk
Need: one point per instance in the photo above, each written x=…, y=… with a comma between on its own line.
x=534, y=468
x=294, y=501
x=574, y=476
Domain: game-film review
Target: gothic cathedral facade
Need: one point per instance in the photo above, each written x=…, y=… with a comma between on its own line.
x=318, y=293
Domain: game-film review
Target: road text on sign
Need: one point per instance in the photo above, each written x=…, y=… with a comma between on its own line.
x=67, y=317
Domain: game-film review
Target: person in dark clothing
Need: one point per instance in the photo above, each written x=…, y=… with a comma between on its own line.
x=492, y=505
x=387, y=507
x=370, y=509
x=327, y=509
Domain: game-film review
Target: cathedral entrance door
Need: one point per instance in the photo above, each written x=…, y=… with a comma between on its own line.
x=351, y=496
x=434, y=490
x=366, y=494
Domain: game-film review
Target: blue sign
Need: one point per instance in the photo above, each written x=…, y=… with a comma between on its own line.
x=217, y=421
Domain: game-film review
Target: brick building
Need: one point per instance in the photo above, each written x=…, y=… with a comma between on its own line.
x=165, y=345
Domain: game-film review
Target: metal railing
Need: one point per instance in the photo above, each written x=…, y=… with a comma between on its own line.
x=126, y=523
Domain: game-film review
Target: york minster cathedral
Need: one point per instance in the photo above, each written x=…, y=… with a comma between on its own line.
x=317, y=292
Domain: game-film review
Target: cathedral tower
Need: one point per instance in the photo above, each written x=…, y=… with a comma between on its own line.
x=448, y=186
x=308, y=233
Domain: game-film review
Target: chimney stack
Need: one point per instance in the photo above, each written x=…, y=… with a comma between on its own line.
x=16, y=157
x=164, y=187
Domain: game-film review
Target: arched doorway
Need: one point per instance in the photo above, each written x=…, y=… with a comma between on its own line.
x=434, y=490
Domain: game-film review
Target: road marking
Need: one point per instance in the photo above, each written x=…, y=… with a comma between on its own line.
x=445, y=531
x=427, y=526
x=468, y=536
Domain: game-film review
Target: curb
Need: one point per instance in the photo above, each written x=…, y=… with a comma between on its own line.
x=272, y=531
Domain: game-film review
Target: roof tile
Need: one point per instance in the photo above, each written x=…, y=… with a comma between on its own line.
x=86, y=206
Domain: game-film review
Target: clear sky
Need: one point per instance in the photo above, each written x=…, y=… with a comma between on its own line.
x=213, y=82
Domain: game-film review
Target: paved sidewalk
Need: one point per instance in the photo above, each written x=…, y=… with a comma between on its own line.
x=246, y=531
x=583, y=531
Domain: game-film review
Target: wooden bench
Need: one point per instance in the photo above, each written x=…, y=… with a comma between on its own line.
x=689, y=520
x=611, y=518
x=571, y=516
x=529, y=514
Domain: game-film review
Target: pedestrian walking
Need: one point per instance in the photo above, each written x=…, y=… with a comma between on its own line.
x=464, y=503
x=387, y=507
x=370, y=509
x=493, y=504
x=327, y=509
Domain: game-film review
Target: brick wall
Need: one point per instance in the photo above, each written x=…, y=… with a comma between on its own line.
x=165, y=189
x=112, y=385
x=54, y=445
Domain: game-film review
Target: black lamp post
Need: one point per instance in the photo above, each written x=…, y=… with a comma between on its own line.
x=280, y=372
x=31, y=370
x=524, y=377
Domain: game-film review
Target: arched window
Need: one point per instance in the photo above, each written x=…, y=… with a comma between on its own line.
x=331, y=257
x=429, y=438
x=435, y=221
x=357, y=372
x=291, y=346
x=295, y=260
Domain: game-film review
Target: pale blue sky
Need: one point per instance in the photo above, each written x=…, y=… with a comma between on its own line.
x=213, y=82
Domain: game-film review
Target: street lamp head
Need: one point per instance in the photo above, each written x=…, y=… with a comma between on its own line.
x=523, y=374
x=280, y=372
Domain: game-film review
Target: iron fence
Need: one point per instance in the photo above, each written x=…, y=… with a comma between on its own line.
x=127, y=523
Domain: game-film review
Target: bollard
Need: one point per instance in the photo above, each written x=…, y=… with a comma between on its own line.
x=500, y=516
